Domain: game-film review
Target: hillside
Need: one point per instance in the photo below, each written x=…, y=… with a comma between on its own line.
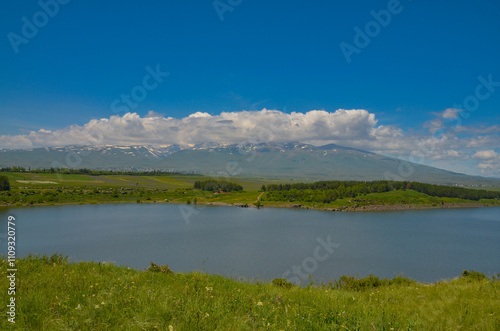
x=272, y=161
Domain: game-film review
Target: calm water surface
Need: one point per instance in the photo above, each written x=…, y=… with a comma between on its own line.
x=426, y=245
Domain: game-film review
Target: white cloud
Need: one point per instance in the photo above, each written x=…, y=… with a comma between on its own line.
x=199, y=114
x=443, y=141
x=228, y=127
x=450, y=113
x=449, y=155
x=485, y=155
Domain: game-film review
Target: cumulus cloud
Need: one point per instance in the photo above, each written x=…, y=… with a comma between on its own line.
x=450, y=113
x=485, y=155
x=489, y=162
x=440, y=140
x=228, y=127
x=449, y=155
x=448, y=118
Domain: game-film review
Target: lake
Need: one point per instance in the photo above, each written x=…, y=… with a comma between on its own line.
x=266, y=243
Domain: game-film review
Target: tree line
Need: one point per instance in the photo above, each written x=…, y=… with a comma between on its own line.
x=217, y=186
x=329, y=191
x=93, y=172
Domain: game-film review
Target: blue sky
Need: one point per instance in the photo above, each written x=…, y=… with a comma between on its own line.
x=277, y=55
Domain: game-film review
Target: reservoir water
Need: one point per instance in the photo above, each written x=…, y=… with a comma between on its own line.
x=266, y=243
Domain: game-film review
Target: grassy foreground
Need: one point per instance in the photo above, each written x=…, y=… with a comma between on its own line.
x=55, y=295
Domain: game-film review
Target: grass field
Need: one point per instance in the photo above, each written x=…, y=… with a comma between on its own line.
x=29, y=189
x=407, y=198
x=52, y=294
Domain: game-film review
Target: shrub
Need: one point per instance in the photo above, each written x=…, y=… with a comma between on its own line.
x=53, y=259
x=371, y=281
x=4, y=183
x=153, y=267
x=402, y=281
x=353, y=283
x=281, y=282
x=473, y=275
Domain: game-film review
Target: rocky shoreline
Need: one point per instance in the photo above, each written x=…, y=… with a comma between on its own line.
x=362, y=208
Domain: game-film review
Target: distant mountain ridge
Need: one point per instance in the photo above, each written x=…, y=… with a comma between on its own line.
x=294, y=161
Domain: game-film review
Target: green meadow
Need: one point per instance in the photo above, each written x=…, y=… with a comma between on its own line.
x=52, y=294
x=30, y=189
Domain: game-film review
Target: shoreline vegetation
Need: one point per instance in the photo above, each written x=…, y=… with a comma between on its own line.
x=53, y=294
x=31, y=188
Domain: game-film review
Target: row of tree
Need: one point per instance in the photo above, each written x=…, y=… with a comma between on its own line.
x=217, y=186
x=328, y=191
x=354, y=186
x=93, y=172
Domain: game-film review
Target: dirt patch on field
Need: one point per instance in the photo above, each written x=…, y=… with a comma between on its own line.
x=36, y=182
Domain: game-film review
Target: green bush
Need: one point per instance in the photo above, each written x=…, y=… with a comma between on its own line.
x=4, y=183
x=371, y=281
x=153, y=267
x=45, y=259
x=473, y=275
x=281, y=282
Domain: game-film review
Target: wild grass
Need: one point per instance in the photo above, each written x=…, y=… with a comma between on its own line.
x=31, y=189
x=53, y=294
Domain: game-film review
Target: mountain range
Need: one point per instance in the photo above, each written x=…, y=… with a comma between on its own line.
x=292, y=161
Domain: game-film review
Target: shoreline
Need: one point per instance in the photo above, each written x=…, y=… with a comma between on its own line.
x=371, y=208
x=366, y=208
